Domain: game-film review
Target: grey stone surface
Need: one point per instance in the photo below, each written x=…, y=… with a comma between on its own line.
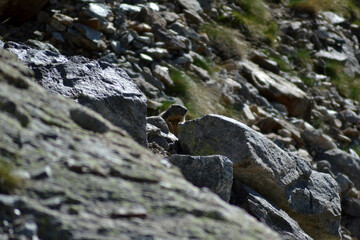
x=311, y=198
x=266, y=212
x=343, y=162
x=103, y=184
x=172, y=42
x=277, y=88
x=214, y=172
x=351, y=207
x=158, y=122
x=317, y=139
x=193, y=5
x=97, y=85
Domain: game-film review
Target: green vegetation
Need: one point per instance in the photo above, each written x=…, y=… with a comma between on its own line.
x=206, y=64
x=347, y=8
x=198, y=98
x=302, y=57
x=347, y=85
x=8, y=180
x=201, y=99
x=226, y=40
x=253, y=20
x=282, y=63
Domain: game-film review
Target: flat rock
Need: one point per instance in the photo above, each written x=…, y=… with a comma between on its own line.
x=332, y=55
x=332, y=17
x=97, y=85
x=214, y=172
x=311, y=198
x=277, y=88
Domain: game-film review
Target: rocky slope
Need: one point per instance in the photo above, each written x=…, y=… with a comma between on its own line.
x=286, y=153
x=73, y=175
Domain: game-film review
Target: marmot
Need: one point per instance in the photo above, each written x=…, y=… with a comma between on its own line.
x=173, y=115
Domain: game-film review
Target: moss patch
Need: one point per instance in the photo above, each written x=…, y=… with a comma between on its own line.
x=8, y=180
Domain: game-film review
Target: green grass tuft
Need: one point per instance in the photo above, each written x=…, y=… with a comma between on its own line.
x=225, y=40
x=347, y=85
x=200, y=99
x=206, y=64
x=347, y=8
x=8, y=180
x=254, y=20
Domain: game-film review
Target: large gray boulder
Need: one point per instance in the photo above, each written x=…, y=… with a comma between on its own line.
x=311, y=198
x=343, y=162
x=80, y=177
x=266, y=212
x=214, y=172
x=98, y=85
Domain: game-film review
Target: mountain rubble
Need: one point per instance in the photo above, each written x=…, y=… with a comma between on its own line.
x=286, y=153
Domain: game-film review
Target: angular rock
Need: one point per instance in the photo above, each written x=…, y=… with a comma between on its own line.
x=351, y=207
x=333, y=18
x=271, y=124
x=147, y=74
x=162, y=73
x=169, y=17
x=40, y=45
x=182, y=30
x=192, y=5
x=201, y=73
x=140, y=28
x=262, y=61
x=155, y=135
x=206, y=5
x=317, y=139
x=348, y=116
x=97, y=85
x=89, y=38
x=345, y=184
x=89, y=33
x=343, y=162
x=276, y=88
x=151, y=17
x=193, y=17
x=98, y=10
x=157, y=53
x=214, y=172
x=158, y=122
x=266, y=212
x=127, y=194
x=130, y=9
x=172, y=42
x=331, y=55
x=149, y=90
x=311, y=198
